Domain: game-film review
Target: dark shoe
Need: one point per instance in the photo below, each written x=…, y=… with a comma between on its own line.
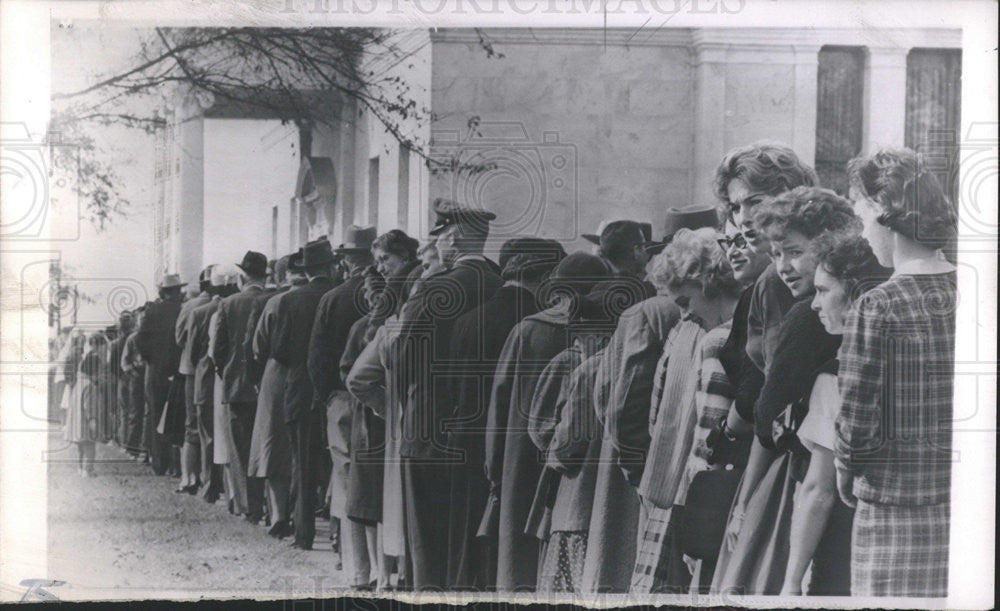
x=298, y=545
x=364, y=587
x=252, y=519
x=192, y=489
x=282, y=529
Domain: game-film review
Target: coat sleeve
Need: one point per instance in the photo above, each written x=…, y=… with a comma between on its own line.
x=352, y=350
x=328, y=339
x=803, y=345
x=548, y=399
x=180, y=326
x=144, y=337
x=366, y=379
x=860, y=380
x=578, y=424
x=220, y=346
x=261, y=337
x=499, y=410
x=631, y=392
x=199, y=337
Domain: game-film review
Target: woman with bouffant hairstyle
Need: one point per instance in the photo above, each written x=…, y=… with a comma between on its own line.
x=895, y=193
x=893, y=447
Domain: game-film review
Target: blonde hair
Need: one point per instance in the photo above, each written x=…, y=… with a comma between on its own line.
x=694, y=256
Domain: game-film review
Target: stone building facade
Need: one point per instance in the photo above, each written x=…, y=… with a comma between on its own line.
x=571, y=127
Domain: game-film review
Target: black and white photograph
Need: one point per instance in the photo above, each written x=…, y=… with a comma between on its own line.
x=686, y=302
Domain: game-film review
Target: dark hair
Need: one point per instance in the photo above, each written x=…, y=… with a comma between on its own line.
x=396, y=242
x=768, y=168
x=849, y=259
x=810, y=211
x=371, y=274
x=619, y=241
x=910, y=197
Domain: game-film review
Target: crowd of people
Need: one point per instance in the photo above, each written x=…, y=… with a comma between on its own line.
x=757, y=403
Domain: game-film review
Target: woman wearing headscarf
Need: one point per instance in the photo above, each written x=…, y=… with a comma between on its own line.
x=564, y=427
x=893, y=448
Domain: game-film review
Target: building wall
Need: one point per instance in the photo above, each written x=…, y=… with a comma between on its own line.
x=249, y=167
x=579, y=131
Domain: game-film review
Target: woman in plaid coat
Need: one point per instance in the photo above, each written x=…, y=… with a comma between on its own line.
x=893, y=446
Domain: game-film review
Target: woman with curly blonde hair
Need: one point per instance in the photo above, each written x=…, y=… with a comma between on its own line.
x=690, y=393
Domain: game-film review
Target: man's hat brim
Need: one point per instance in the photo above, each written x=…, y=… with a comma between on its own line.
x=593, y=238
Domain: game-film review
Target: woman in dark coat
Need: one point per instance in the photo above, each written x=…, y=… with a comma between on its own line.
x=364, y=490
x=512, y=461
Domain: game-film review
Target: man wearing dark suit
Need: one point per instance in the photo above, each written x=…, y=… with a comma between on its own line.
x=336, y=313
x=239, y=391
x=191, y=451
x=419, y=358
x=158, y=348
x=290, y=348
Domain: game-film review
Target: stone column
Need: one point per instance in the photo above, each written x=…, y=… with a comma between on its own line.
x=806, y=58
x=885, y=97
x=727, y=113
x=709, y=118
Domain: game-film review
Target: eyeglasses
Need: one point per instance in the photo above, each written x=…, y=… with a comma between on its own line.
x=726, y=242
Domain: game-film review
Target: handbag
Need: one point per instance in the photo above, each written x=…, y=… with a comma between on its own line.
x=703, y=522
x=785, y=433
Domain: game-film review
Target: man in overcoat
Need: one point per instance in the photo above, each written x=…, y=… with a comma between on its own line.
x=239, y=392
x=419, y=358
x=158, y=348
x=293, y=317
x=338, y=309
x=477, y=338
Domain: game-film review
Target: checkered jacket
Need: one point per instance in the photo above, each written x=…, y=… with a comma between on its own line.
x=896, y=382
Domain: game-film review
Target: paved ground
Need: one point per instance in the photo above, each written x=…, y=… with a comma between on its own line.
x=125, y=534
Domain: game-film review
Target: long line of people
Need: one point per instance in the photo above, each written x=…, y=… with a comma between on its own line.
x=758, y=403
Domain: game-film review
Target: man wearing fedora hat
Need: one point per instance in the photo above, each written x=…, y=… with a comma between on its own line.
x=238, y=391
x=336, y=312
x=282, y=338
x=158, y=347
x=418, y=358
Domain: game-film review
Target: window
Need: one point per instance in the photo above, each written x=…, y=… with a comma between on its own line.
x=373, y=191
x=933, y=105
x=839, y=113
x=403, y=197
